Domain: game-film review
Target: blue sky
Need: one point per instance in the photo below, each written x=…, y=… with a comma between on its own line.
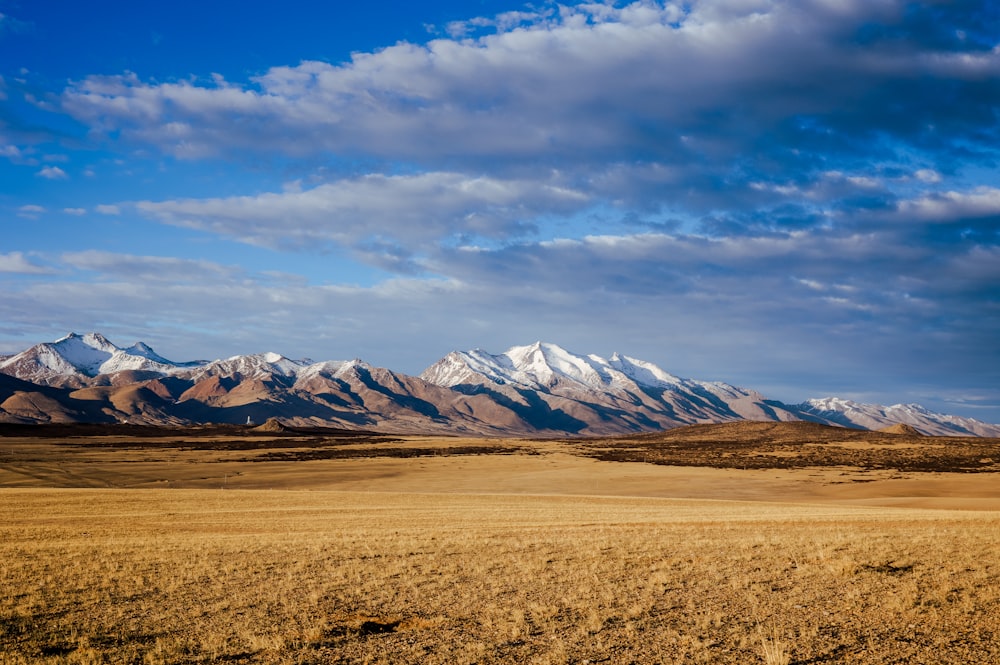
x=798, y=197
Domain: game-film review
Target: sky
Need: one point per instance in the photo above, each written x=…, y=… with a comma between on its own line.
x=800, y=197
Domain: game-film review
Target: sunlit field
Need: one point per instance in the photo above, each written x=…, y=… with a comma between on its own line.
x=212, y=576
x=700, y=546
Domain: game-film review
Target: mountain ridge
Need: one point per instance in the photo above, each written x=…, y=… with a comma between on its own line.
x=539, y=389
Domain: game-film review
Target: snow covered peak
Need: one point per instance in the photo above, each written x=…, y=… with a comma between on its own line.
x=334, y=368
x=143, y=350
x=459, y=367
x=832, y=404
x=254, y=365
x=642, y=372
x=79, y=356
x=92, y=340
x=85, y=353
x=544, y=365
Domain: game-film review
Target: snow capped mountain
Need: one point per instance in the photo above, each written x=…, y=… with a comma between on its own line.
x=543, y=365
x=258, y=365
x=74, y=358
x=875, y=416
x=540, y=389
x=620, y=394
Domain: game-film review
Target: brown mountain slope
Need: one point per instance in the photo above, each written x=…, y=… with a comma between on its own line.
x=25, y=402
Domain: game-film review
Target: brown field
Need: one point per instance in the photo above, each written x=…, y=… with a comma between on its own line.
x=760, y=545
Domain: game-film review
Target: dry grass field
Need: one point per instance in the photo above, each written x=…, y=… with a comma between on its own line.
x=136, y=549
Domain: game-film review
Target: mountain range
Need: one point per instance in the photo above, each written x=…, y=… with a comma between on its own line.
x=538, y=390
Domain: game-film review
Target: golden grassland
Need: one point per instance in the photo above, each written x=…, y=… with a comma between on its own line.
x=501, y=557
x=204, y=576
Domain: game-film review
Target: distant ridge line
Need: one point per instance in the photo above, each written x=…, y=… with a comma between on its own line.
x=540, y=389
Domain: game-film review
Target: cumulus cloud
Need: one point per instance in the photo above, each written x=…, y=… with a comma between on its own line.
x=696, y=113
x=17, y=262
x=52, y=173
x=107, y=209
x=593, y=82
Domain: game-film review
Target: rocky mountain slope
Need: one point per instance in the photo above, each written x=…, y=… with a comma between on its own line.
x=540, y=390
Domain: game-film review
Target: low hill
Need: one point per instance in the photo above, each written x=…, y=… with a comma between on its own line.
x=761, y=445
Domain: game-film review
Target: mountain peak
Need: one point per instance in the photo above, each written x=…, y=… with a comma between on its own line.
x=542, y=365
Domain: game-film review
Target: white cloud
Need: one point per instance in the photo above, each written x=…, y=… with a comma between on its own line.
x=17, y=262
x=11, y=152
x=587, y=82
x=686, y=111
x=106, y=209
x=53, y=173
x=30, y=211
x=145, y=269
x=412, y=210
x=951, y=206
x=927, y=175
x=77, y=212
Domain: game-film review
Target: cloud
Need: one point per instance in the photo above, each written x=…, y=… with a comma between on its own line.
x=927, y=175
x=30, y=211
x=413, y=211
x=708, y=86
x=17, y=262
x=730, y=118
x=53, y=173
x=951, y=206
x=76, y=212
x=107, y=209
x=111, y=266
x=11, y=152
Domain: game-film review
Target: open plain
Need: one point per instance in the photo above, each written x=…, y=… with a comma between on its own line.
x=740, y=543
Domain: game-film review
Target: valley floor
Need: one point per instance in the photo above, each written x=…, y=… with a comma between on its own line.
x=419, y=550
